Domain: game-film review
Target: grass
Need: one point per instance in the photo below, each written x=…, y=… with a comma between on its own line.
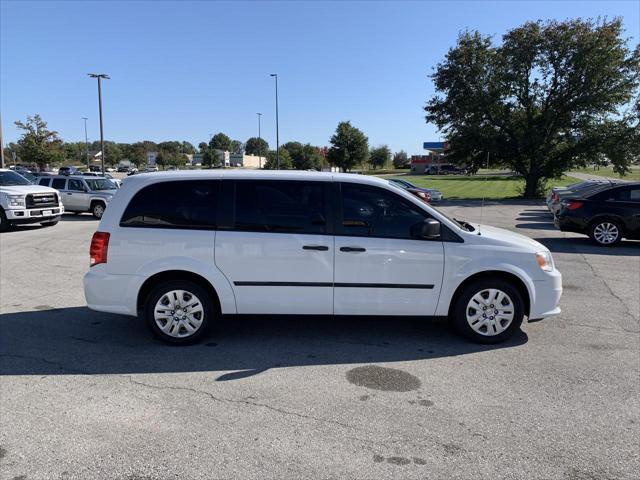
x=609, y=173
x=494, y=187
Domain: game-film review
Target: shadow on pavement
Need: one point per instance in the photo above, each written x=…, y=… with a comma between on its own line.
x=82, y=217
x=79, y=341
x=585, y=245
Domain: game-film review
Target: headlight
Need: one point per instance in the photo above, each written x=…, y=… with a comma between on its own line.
x=545, y=261
x=15, y=200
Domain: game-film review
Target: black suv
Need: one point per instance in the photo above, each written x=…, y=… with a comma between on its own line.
x=606, y=215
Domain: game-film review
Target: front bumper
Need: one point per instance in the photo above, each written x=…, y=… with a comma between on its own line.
x=547, y=296
x=21, y=216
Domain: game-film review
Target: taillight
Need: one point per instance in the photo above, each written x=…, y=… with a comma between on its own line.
x=98, y=248
x=574, y=204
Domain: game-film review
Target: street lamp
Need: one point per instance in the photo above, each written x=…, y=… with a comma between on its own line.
x=86, y=142
x=100, y=76
x=259, y=141
x=277, y=126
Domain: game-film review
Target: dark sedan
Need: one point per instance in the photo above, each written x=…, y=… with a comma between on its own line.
x=606, y=215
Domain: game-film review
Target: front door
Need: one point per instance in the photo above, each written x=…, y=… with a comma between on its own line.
x=274, y=246
x=380, y=269
x=76, y=195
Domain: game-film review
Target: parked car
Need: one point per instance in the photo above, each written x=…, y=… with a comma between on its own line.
x=123, y=169
x=184, y=248
x=418, y=192
x=21, y=202
x=444, y=169
x=81, y=194
x=606, y=214
x=132, y=171
x=69, y=171
x=556, y=194
x=435, y=195
x=117, y=182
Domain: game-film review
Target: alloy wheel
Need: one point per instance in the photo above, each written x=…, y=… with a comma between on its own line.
x=606, y=233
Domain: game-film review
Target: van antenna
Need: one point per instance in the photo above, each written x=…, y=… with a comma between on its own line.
x=486, y=178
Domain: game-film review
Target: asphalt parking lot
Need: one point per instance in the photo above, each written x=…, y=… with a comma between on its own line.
x=91, y=395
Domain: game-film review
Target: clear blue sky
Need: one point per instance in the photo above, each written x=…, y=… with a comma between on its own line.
x=183, y=70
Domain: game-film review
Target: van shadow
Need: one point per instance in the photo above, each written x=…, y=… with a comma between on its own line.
x=79, y=341
x=580, y=245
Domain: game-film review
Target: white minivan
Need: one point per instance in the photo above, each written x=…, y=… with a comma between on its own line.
x=183, y=248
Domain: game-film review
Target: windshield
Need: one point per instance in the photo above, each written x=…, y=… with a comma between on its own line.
x=8, y=179
x=100, y=184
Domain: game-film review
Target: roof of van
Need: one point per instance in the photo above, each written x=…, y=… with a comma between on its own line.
x=151, y=177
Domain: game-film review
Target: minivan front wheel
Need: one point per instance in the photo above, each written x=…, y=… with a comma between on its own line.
x=179, y=312
x=489, y=311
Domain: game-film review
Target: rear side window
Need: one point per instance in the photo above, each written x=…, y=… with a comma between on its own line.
x=59, y=183
x=44, y=182
x=76, y=185
x=374, y=212
x=280, y=206
x=189, y=204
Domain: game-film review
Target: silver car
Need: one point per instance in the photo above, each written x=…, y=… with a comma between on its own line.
x=436, y=195
x=82, y=194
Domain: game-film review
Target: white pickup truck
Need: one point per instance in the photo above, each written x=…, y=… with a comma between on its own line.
x=21, y=202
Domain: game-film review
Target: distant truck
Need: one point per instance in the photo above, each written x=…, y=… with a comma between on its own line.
x=22, y=202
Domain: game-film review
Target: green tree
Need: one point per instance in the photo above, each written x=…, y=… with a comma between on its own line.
x=400, y=159
x=136, y=153
x=349, y=147
x=39, y=145
x=256, y=146
x=237, y=146
x=551, y=97
x=272, y=162
x=188, y=148
x=379, y=156
x=221, y=142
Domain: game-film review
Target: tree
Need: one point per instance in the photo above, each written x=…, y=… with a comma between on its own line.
x=256, y=146
x=136, y=153
x=188, y=148
x=400, y=159
x=551, y=97
x=349, y=147
x=272, y=162
x=38, y=144
x=221, y=142
x=237, y=146
x=379, y=156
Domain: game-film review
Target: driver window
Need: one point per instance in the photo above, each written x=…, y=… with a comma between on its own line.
x=75, y=185
x=375, y=212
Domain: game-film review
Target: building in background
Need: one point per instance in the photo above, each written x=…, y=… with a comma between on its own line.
x=151, y=159
x=435, y=156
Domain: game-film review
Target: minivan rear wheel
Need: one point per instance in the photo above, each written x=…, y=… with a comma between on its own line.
x=489, y=310
x=179, y=312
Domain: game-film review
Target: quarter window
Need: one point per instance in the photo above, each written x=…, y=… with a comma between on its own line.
x=280, y=206
x=189, y=204
x=375, y=212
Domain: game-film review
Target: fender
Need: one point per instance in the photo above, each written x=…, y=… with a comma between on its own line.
x=455, y=279
x=208, y=271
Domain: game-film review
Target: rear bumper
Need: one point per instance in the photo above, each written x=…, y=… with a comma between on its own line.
x=568, y=224
x=111, y=293
x=547, y=296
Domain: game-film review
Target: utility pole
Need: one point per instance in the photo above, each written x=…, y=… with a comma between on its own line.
x=259, y=141
x=1, y=145
x=100, y=76
x=86, y=142
x=277, y=126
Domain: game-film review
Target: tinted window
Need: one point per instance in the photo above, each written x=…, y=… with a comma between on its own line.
x=75, y=185
x=59, y=183
x=634, y=194
x=183, y=204
x=280, y=206
x=375, y=212
x=44, y=182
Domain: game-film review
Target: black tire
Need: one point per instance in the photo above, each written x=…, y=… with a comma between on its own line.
x=5, y=226
x=97, y=209
x=459, y=319
x=209, y=311
x=597, y=232
x=50, y=223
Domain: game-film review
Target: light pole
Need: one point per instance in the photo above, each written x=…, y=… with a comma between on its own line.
x=1, y=146
x=86, y=142
x=277, y=126
x=259, y=141
x=100, y=76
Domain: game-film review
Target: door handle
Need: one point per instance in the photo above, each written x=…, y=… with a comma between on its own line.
x=353, y=249
x=322, y=248
x=69, y=193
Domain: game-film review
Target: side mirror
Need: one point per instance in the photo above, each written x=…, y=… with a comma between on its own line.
x=429, y=229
